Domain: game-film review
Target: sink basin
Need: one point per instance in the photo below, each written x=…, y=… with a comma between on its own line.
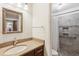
x=14, y=50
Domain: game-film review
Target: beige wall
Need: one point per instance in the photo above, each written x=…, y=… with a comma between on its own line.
x=41, y=23
x=27, y=24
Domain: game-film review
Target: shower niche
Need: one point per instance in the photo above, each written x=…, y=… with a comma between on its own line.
x=69, y=34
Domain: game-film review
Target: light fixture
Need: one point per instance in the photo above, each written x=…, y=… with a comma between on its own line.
x=19, y=4
x=26, y=6
x=23, y=5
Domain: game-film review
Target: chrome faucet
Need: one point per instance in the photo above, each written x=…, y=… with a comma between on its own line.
x=15, y=42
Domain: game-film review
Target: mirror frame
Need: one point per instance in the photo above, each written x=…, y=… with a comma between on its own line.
x=3, y=21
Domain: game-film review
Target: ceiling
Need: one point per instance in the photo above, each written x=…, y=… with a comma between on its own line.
x=58, y=7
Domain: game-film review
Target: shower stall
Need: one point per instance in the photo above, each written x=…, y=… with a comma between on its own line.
x=68, y=25
x=65, y=32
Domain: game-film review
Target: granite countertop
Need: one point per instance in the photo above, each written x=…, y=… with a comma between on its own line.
x=32, y=44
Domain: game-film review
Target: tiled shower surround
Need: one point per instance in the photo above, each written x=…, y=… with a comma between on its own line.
x=69, y=34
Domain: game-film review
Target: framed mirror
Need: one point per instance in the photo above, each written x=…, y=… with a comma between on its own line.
x=12, y=21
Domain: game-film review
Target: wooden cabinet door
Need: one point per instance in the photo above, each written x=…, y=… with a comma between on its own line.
x=39, y=51
x=31, y=53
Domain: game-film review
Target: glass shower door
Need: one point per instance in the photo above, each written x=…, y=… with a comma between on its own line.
x=69, y=34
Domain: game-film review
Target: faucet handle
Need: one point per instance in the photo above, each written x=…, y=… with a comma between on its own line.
x=15, y=42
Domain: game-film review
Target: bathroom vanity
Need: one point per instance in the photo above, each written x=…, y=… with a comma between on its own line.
x=32, y=47
x=13, y=23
